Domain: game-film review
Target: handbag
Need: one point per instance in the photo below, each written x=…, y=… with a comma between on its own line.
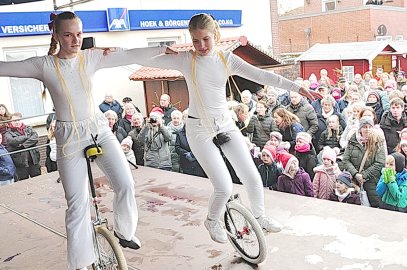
x=364, y=200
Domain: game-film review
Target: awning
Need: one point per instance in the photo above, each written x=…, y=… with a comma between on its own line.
x=239, y=45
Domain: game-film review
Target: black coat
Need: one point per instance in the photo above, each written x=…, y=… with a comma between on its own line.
x=190, y=166
x=17, y=141
x=308, y=161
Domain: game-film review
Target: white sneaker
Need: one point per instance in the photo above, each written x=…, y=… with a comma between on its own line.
x=269, y=224
x=216, y=231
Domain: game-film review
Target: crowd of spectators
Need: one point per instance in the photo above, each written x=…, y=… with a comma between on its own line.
x=352, y=139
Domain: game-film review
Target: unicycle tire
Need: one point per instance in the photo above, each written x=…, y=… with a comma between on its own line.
x=110, y=253
x=248, y=238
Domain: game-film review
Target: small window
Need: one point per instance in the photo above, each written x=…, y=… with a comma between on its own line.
x=26, y=93
x=328, y=5
x=348, y=72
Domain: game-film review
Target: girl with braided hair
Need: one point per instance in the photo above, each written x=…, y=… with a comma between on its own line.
x=68, y=72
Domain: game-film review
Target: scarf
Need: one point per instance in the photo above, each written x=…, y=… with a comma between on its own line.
x=18, y=129
x=341, y=197
x=360, y=139
x=128, y=117
x=303, y=149
x=326, y=115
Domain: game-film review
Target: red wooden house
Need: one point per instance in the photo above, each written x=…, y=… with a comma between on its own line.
x=347, y=59
x=159, y=81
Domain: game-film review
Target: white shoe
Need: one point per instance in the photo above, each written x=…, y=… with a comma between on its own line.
x=269, y=224
x=216, y=231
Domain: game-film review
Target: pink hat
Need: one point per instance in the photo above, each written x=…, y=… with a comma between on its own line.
x=270, y=150
x=157, y=110
x=390, y=84
x=336, y=93
x=329, y=153
x=286, y=159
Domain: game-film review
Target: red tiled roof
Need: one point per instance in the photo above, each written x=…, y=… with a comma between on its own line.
x=240, y=45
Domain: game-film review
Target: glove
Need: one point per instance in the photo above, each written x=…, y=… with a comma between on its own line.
x=190, y=157
x=389, y=175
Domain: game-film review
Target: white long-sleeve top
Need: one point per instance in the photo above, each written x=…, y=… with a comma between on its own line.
x=211, y=78
x=77, y=73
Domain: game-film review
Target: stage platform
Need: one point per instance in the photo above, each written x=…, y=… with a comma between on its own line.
x=172, y=207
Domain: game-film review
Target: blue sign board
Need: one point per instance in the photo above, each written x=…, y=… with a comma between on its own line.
x=119, y=19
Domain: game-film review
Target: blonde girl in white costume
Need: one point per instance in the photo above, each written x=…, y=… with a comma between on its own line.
x=206, y=71
x=68, y=75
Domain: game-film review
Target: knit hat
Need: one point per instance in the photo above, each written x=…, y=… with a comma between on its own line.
x=157, y=112
x=336, y=93
x=270, y=150
x=304, y=136
x=390, y=84
x=286, y=159
x=345, y=177
x=341, y=80
x=276, y=135
x=329, y=153
x=365, y=121
x=127, y=141
x=400, y=161
x=374, y=93
x=127, y=99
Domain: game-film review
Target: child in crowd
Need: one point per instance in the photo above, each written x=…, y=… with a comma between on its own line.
x=269, y=169
x=127, y=144
x=305, y=153
x=325, y=174
x=294, y=179
x=392, y=186
x=345, y=191
x=331, y=136
x=51, y=160
x=352, y=123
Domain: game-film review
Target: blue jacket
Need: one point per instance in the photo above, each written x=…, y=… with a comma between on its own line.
x=394, y=193
x=7, y=168
x=115, y=106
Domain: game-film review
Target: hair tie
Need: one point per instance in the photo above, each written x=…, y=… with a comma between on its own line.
x=51, y=21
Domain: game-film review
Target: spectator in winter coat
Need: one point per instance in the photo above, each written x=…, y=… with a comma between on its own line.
x=269, y=169
x=261, y=125
x=366, y=141
x=272, y=101
x=249, y=102
x=4, y=116
x=156, y=137
x=305, y=153
x=51, y=160
x=187, y=161
x=126, y=145
x=19, y=137
x=111, y=117
x=7, y=168
x=393, y=121
x=294, y=179
x=344, y=190
x=331, y=135
x=125, y=122
x=374, y=101
x=325, y=174
x=392, y=186
x=289, y=126
x=137, y=123
x=165, y=105
x=111, y=104
x=174, y=126
x=241, y=116
x=305, y=112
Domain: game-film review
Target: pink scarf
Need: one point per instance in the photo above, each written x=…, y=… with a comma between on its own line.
x=128, y=117
x=302, y=149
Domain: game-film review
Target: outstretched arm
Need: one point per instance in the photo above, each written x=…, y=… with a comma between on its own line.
x=28, y=68
x=148, y=56
x=243, y=69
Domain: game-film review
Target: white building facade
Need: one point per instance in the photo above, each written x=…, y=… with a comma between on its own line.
x=116, y=23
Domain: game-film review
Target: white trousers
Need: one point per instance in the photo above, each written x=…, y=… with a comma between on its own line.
x=73, y=172
x=199, y=134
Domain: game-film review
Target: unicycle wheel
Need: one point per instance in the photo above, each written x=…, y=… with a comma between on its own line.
x=109, y=254
x=245, y=234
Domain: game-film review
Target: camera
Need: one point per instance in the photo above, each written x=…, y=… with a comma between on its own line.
x=221, y=138
x=88, y=43
x=153, y=120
